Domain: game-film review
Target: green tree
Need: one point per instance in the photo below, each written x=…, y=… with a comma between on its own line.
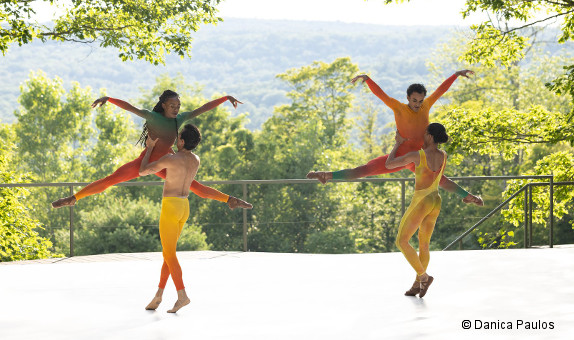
x=138, y=29
x=505, y=121
x=309, y=132
x=498, y=41
x=53, y=128
x=19, y=239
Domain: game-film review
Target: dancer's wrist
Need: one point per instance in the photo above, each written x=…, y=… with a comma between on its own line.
x=461, y=192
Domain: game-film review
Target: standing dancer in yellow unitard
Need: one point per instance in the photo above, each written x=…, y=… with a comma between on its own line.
x=181, y=169
x=424, y=209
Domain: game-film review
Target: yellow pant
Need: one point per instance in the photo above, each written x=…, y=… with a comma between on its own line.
x=174, y=214
x=421, y=214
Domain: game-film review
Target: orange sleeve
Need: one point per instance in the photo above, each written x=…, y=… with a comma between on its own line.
x=389, y=101
x=120, y=103
x=207, y=192
x=441, y=90
x=204, y=108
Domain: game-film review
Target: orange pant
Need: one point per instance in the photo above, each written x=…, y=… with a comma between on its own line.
x=174, y=214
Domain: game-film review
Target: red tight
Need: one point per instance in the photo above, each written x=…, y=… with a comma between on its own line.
x=130, y=171
x=377, y=167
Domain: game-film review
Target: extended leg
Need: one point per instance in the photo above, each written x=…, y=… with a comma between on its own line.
x=169, y=231
x=124, y=173
x=409, y=225
x=372, y=168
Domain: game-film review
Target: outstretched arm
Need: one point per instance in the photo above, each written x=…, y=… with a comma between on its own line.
x=120, y=103
x=446, y=85
x=208, y=192
x=210, y=106
x=394, y=162
x=450, y=186
x=389, y=101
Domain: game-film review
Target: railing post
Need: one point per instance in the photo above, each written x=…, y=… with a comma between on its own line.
x=244, y=218
x=551, y=236
x=71, y=224
x=403, y=190
x=460, y=244
x=530, y=216
x=526, y=216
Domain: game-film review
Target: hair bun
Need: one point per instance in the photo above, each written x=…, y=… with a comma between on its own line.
x=438, y=133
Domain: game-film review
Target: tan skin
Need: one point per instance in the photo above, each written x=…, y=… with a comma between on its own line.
x=181, y=168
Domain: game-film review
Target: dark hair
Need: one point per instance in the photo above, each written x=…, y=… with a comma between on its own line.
x=191, y=136
x=167, y=94
x=419, y=88
x=438, y=133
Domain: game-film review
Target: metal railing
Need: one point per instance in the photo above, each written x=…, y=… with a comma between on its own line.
x=527, y=189
x=245, y=183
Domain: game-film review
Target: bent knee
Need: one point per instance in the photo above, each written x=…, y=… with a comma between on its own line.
x=401, y=243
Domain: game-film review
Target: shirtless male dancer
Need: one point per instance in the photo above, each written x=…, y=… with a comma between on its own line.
x=181, y=169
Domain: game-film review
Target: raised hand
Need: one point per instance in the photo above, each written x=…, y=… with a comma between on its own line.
x=364, y=77
x=99, y=102
x=233, y=101
x=150, y=143
x=398, y=138
x=464, y=73
x=234, y=202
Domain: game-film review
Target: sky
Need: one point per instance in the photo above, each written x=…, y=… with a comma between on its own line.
x=413, y=12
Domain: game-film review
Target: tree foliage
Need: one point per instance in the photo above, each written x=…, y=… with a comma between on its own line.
x=506, y=122
x=503, y=38
x=19, y=238
x=139, y=29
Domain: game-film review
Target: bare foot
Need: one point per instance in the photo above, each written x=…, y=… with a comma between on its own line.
x=178, y=304
x=154, y=303
x=321, y=176
x=470, y=198
x=234, y=202
x=64, y=202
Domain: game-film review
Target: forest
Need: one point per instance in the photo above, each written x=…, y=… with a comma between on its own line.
x=301, y=113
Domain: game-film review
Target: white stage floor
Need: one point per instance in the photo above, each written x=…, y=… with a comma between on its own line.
x=292, y=296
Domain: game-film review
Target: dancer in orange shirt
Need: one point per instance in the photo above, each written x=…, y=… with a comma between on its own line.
x=412, y=120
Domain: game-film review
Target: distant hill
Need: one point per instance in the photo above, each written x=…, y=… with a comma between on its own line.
x=238, y=57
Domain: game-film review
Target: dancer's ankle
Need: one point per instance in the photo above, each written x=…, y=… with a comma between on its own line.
x=423, y=277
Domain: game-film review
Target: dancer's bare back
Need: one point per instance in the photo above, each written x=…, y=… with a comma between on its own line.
x=180, y=167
